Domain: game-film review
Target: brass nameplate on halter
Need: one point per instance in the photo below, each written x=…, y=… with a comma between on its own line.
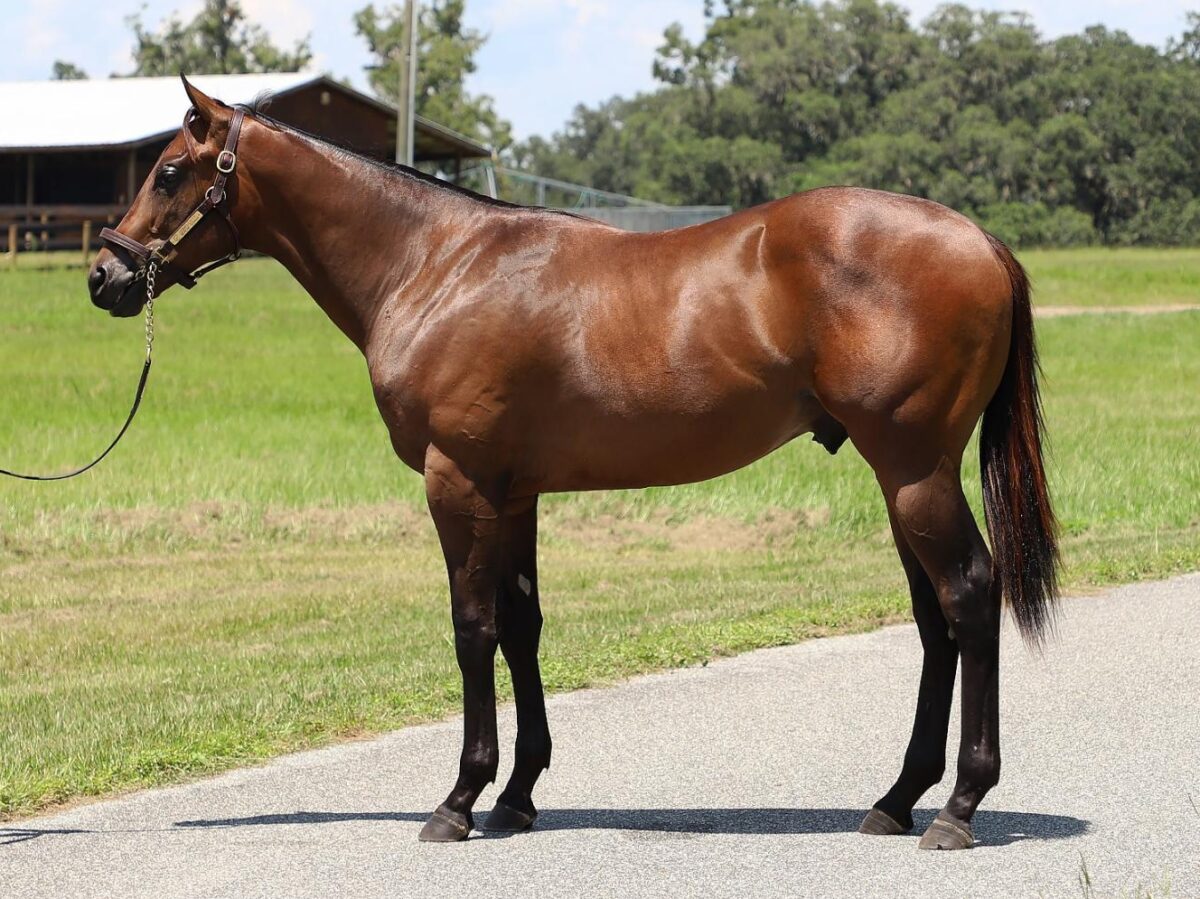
x=182, y=231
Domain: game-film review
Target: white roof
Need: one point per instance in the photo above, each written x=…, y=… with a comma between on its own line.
x=117, y=111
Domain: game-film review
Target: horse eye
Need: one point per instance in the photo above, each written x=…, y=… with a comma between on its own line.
x=167, y=178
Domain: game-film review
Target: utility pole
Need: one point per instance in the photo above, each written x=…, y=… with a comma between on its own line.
x=406, y=107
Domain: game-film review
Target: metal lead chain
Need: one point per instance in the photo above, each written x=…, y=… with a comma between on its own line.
x=151, y=272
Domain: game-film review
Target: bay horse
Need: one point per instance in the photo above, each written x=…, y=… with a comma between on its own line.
x=518, y=351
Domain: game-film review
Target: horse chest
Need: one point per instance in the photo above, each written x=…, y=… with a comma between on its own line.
x=404, y=410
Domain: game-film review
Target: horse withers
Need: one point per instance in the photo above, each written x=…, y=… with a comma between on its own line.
x=517, y=351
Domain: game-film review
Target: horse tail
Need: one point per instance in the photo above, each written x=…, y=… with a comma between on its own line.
x=1016, y=500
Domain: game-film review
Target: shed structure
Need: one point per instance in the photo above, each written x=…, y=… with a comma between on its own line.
x=75, y=151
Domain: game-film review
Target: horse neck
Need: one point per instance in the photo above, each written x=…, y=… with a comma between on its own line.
x=353, y=234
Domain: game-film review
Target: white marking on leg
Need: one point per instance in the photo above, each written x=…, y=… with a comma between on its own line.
x=525, y=584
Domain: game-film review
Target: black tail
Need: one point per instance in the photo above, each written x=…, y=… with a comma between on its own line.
x=1016, y=500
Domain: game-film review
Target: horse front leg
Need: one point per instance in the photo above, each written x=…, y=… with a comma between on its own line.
x=520, y=630
x=467, y=517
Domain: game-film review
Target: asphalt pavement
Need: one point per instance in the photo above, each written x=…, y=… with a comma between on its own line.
x=744, y=778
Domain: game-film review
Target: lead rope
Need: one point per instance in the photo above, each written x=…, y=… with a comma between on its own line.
x=150, y=272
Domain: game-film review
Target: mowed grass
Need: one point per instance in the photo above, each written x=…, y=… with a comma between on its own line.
x=1100, y=276
x=252, y=571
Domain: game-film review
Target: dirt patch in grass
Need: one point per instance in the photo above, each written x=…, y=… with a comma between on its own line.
x=209, y=524
x=666, y=529
x=348, y=523
x=219, y=525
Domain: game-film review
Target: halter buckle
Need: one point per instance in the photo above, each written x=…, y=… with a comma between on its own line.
x=226, y=161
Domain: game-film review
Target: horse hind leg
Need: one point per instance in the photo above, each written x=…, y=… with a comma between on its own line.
x=925, y=759
x=932, y=514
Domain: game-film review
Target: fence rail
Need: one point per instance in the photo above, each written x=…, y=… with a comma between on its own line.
x=651, y=218
x=31, y=229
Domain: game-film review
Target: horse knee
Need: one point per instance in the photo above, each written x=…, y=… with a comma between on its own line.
x=475, y=628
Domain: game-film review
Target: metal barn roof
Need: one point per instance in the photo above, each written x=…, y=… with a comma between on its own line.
x=112, y=113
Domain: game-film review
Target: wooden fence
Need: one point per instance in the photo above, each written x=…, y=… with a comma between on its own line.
x=37, y=229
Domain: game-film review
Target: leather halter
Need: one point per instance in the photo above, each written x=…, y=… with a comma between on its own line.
x=214, y=200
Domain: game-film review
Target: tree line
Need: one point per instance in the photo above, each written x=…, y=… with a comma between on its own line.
x=1086, y=138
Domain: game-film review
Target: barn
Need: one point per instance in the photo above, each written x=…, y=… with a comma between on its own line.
x=77, y=151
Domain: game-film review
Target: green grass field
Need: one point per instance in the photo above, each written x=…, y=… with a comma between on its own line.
x=1099, y=276
x=252, y=572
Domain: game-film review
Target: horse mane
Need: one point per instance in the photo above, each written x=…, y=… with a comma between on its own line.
x=258, y=106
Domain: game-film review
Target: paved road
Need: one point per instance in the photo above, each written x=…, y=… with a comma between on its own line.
x=745, y=778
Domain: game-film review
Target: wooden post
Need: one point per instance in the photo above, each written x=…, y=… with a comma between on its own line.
x=130, y=177
x=12, y=245
x=87, y=241
x=29, y=185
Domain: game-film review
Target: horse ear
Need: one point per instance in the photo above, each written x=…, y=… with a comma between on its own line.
x=208, y=109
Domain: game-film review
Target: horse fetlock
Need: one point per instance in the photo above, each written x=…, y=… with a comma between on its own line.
x=534, y=751
x=478, y=767
x=980, y=768
x=921, y=774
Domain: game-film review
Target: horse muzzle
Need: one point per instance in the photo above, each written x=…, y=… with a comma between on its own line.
x=113, y=288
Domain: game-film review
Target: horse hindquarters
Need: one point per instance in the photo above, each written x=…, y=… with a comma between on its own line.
x=917, y=459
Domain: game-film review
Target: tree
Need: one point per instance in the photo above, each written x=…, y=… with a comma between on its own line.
x=219, y=40
x=67, y=71
x=1187, y=45
x=1086, y=138
x=447, y=55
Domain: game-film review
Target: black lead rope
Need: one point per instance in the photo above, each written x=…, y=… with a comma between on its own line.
x=162, y=257
x=137, y=398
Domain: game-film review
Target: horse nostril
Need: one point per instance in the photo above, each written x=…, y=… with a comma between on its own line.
x=96, y=280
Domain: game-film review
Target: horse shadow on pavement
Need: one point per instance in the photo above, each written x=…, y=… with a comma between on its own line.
x=992, y=828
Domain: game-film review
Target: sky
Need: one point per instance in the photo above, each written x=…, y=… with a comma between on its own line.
x=542, y=58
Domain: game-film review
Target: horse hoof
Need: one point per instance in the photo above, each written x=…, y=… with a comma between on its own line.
x=506, y=819
x=947, y=833
x=881, y=824
x=446, y=826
